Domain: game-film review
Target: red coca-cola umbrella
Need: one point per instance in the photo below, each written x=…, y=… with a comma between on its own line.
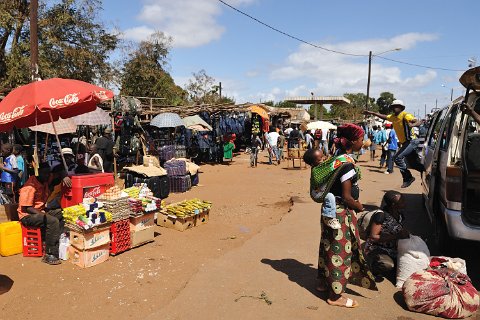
x=42, y=101
x=46, y=101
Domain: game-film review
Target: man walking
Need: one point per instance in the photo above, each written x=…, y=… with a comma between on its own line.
x=403, y=123
x=105, y=149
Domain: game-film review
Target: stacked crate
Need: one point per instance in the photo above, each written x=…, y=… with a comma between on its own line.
x=178, y=176
x=120, y=236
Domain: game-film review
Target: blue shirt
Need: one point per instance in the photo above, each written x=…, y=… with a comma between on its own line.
x=9, y=163
x=23, y=169
x=380, y=137
x=393, y=144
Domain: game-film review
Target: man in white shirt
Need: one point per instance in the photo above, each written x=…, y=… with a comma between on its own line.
x=272, y=139
x=309, y=140
x=324, y=141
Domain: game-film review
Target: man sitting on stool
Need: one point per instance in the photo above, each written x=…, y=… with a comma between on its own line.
x=31, y=211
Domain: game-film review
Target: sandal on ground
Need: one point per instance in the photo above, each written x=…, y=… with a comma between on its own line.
x=349, y=303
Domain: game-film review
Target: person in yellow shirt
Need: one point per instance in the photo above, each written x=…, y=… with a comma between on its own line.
x=403, y=123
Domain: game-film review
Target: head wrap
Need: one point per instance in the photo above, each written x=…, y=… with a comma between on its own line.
x=348, y=133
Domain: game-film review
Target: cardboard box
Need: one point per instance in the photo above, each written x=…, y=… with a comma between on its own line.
x=179, y=224
x=141, y=237
x=202, y=217
x=89, y=258
x=142, y=222
x=89, y=240
x=8, y=212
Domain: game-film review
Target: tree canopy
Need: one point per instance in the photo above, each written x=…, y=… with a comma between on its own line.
x=73, y=43
x=144, y=72
x=384, y=102
x=203, y=89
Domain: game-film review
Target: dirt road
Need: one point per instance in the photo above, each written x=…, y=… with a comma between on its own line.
x=252, y=244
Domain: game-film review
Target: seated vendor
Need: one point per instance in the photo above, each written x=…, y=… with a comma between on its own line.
x=385, y=228
x=31, y=211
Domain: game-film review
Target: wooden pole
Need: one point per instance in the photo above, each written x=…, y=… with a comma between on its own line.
x=368, y=81
x=34, y=39
x=113, y=135
x=58, y=141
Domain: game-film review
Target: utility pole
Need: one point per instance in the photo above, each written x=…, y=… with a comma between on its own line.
x=368, y=82
x=451, y=95
x=314, y=106
x=220, y=90
x=34, y=39
x=425, y=110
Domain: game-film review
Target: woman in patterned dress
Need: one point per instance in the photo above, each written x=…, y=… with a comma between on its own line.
x=341, y=260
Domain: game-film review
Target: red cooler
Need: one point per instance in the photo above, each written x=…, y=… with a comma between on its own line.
x=86, y=186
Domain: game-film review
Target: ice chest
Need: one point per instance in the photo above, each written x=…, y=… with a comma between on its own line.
x=86, y=186
x=90, y=239
x=142, y=222
x=89, y=258
x=10, y=238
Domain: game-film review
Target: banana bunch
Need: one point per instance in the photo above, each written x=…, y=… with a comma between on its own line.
x=133, y=192
x=188, y=208
x=70, y=214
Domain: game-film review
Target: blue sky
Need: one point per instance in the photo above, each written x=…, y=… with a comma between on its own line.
x=257, y=64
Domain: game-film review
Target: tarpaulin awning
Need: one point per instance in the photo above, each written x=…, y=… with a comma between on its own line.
x=260, y=111
x=196, y=122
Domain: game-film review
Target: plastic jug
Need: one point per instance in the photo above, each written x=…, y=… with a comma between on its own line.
x=10, y=238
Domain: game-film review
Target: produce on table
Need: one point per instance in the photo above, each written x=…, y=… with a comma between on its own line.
x=188, y=208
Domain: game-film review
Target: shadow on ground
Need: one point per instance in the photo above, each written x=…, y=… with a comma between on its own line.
x=6, y=283
x=304, y=275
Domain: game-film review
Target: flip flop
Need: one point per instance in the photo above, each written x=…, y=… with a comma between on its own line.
x=349, y=303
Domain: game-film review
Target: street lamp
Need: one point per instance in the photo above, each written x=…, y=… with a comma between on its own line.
x=370, y=71
x=451, y=92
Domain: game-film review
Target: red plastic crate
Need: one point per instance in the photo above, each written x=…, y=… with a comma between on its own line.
x=32, y=242
x=120, y=236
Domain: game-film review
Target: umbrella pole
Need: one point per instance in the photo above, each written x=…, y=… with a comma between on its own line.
x=58, y=142
x=45, y=151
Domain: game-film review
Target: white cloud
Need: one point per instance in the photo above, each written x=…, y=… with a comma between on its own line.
x=334, y=74
x=191, y=23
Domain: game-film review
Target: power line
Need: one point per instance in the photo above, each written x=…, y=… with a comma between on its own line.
x=331, y=50
x=291, y=36
x=418, y=65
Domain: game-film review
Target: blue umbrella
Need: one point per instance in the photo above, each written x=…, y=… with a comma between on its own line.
x=167, y=120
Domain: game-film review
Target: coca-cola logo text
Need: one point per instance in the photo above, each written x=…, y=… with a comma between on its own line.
x=92, y=192
x=9, y=116
x=69, y=99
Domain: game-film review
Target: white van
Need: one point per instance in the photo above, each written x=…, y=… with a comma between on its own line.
x=451, y=181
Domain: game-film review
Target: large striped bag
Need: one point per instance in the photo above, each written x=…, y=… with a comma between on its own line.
x=441, y=292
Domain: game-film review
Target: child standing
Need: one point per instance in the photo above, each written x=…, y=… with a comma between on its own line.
x=21, y=165
x=315, y=158
x=9, y=169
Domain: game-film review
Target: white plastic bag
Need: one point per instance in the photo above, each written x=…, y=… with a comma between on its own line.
x=413, y=255
x=455, y=264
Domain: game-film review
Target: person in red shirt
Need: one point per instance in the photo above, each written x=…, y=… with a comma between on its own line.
x=31, y=211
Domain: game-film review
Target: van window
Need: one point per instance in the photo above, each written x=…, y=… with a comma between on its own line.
x=434, y=136
x=447, y=131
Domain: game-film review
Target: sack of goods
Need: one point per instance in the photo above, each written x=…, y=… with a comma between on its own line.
x=166, y=153
x=176, y=168
x=441, y=292
x=180, y=184
x=413, y=255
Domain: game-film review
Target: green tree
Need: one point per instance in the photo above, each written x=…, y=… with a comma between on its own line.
x=384, y=102
x=311, y=111
x=285, y=104
x=144, y=72
x=73, y=42
x=203, y=89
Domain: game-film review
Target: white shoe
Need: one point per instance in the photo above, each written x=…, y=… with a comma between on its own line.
x=333, y=223
x=386, y=172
